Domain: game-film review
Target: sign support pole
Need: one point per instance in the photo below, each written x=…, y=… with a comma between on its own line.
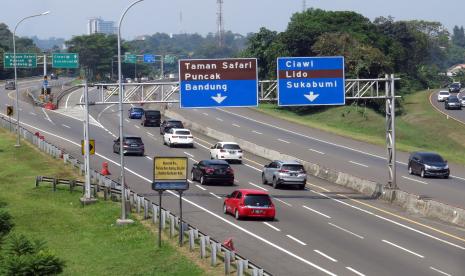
x=87, y=199
x=159, y=218
x=181, y=230
x=45, y=64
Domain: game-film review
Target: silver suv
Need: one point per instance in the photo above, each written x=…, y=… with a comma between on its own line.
x=281, y=172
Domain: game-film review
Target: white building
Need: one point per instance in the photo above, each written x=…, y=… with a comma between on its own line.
x=98, y=25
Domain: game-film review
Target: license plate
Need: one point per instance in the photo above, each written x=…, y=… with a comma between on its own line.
x=258, y=211
x=133, y=145
x=232, y=151
x=293, y=174
x=183, y=137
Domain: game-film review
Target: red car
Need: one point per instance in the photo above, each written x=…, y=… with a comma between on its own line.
x=249, y=203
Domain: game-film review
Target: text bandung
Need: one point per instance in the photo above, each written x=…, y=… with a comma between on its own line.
x=206, y=87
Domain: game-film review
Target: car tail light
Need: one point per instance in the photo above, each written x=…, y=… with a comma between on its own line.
x=174, y=136
x=222, y=150
x=240, y=151
x=190, y=136
x=230, y=171
x=209, y=170
x=283, y=171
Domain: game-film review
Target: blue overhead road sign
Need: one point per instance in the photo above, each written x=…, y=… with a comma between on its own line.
x=311, y=81
x=218, y=82
x=149, y=58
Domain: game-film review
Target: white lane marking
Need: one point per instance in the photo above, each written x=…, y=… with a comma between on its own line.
x=127, y=120
x=20, y=109
x=148, y=133
x=306, y=136
x=201, y=144
x=358, y=164
x=284, y=141
x=256, y=132
x=325, y=255
x=148, y=157
x=200, y=187
x=101, y=112
x=415, y=180
x=188, y=154
x=403, y=248
x=32, y=113
x=282, y=201
x=113, y=110
x=355, y=271
x=206, y=114
x=252, y=167
x=201, y=208
x=255, y=185
x=136, y=126
x=442, y=272
x=65, y=126
x=221, y=120
x=317, y=151
x=315, y=211
x=236, y=125
x=215, y=195
x=67, y=98
x=271, y=226
x=193, y=159
x=81, y=100
x=47, y=117
x=295, y=239
x=345, y=230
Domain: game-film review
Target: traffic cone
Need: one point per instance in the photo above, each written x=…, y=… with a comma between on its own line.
x=105, y=170
x=229, y=244
x=37, y=134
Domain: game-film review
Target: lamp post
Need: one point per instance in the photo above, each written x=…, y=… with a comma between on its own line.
x=16, y=76
x=123, y=219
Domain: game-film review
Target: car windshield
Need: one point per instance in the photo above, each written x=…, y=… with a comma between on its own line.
x=433, y=158
x=443, y=93
x=152, y=113
x=453, y=99
x=257, y=200
x=175, y=124
x=183, y=132
x=231, y=146
x=133, y=140
x=218, y=166
x=137, y=110
x=293, y=167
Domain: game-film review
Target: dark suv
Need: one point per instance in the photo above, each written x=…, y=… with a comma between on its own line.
x=131, y=145
x=454, y=87
x=218, y=171
x=151, y=118
x=452, y=102
x=169, y=124
x=428, y=164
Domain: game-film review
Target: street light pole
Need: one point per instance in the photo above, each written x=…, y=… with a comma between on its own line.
x=123, y=219
x=16, y=75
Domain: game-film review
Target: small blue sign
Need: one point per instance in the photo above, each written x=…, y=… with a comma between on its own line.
x=149, y=58
x=45, y=83
x=206, y=83
x=311, y=81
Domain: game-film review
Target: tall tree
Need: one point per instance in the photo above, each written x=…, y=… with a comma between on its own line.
x=458, y=36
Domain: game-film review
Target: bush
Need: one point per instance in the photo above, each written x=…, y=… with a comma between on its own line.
x=6, y=223
x=24, y=257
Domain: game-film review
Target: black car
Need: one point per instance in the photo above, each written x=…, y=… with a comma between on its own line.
x=131, y=145
x=169, y=124
x=151, y=118
x=428, y=164
x=454, y=87
x=53, y=76
x=452, y=103
x=207, y=171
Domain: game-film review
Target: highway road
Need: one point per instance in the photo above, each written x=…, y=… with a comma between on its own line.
x=324, y=230
x=457, y=115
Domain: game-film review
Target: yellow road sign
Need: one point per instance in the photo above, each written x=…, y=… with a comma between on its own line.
x=9, y=110
x=91, y=146
x=169, y=168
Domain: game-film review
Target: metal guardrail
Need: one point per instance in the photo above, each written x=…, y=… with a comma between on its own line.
x=208, y=247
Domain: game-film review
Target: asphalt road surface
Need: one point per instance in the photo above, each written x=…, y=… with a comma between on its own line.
x=324, y=230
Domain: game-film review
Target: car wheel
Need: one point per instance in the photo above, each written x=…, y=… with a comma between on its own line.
x=422, y=173
x=202, y=180
x=236, y=215
x=264, y=182
x=169, y=144
x=225, y=211
x=275, y=183
x=410, y=171
x=192, y=176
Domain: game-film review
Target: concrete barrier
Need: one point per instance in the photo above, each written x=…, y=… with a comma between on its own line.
x=410, y=202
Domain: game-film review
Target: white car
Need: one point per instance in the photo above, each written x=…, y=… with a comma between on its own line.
x=462, y=101
x=443, y=95
x=226, y=151
x=178, y=136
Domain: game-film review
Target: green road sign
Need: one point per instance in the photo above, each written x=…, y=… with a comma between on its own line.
x=65, y=60
x=170, y=59
x=130, y=58
x=23, y=60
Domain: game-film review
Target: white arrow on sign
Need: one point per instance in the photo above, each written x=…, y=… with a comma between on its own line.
x=311, y=97
x=219, y=99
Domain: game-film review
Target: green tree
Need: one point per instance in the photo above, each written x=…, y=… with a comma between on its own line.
x=458, y=36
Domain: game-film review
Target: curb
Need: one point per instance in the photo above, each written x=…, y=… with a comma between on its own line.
x=409, y=202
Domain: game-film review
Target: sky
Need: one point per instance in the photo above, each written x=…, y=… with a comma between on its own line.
x=68, y=18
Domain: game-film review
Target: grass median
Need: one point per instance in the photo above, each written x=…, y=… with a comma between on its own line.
x=86, y=238
x=419, y=128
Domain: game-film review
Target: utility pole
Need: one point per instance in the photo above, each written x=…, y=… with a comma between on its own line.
x=220, y=23
x=304, y=5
